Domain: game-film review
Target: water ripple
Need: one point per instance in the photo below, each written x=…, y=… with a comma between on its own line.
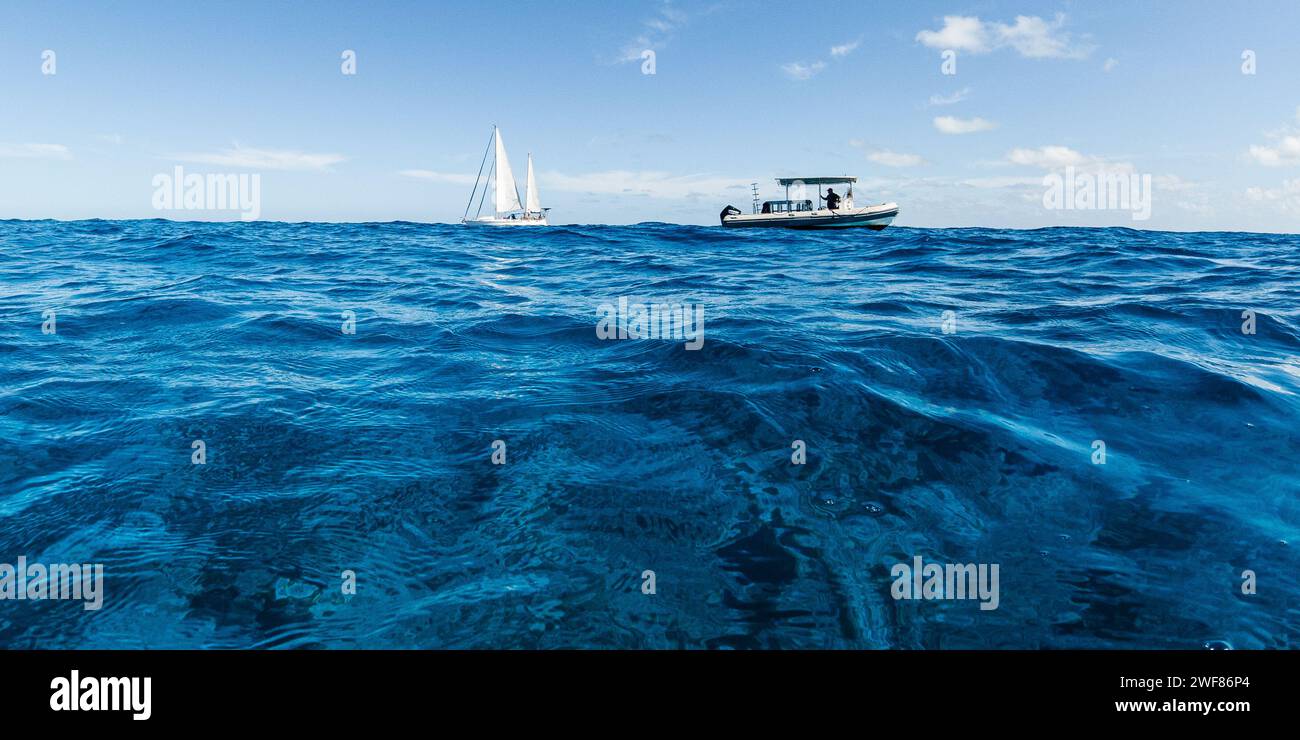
x=370, y=451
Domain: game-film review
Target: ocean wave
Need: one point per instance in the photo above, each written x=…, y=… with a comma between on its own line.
x=351, y=383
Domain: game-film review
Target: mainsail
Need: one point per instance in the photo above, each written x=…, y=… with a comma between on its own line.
x=534, y=203
x=507, y=194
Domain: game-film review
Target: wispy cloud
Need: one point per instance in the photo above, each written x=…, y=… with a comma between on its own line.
x=953, y=125
x=843, y=50
x=643, y=183
x=1285, y=149
x=1174, y=183
x=1187, y=195
x=656, y=31
x=806, y=70
x=956, y=97
x=802, y=71
x=264, y=159
x=1056, y=157
x=1047, y=157
x=34, y=151
x=1030, y=35
x=1004, y=181
x=646, y=183
x=457, y=178
x=895, y=159
x=1110, y=64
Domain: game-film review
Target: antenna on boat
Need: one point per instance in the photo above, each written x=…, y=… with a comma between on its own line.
x=754, y=187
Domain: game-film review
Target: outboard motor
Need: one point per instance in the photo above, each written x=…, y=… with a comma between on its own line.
x=728, y=211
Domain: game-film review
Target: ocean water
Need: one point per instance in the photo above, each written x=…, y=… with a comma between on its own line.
x=970, y=441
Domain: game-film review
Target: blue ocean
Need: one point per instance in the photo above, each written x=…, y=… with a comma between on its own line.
x=401, y=435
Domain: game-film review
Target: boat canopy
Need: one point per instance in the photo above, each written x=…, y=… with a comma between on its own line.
x=788, y=181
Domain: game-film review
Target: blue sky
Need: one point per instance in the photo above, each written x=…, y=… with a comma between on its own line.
x=742, y=92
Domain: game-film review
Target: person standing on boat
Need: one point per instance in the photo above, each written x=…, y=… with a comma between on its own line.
x=832, y=200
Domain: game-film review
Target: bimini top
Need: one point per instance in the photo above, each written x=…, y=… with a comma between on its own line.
x=815, y=180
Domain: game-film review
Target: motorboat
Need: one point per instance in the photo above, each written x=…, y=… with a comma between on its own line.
x=801, y=212
x=507, y=210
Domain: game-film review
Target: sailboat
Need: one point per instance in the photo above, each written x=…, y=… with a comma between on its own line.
x=506, y=208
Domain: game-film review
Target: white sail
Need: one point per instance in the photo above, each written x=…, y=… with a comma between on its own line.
x=507, y=194
x=534, y=203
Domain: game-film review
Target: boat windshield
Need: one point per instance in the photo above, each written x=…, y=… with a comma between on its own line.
x=786, y=206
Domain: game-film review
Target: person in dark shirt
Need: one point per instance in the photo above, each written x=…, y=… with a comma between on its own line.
x=832, y=200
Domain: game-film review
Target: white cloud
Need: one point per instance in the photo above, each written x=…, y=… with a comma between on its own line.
x=1047, y=157
x=1036, y=38
x=843, y=50
x=959, y=33
x=801, y=71
x=1285, y=149
x=264, y=159
x=956, y=97
x=895, y=159
x=1029, y=35
x=1287, y=152
x=34, y=151
x=1110, y=64
x=449, y=177
x=952, y=125
x=1286, y=198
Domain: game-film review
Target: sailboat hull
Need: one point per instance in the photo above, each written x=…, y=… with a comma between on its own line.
x=494, y=221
